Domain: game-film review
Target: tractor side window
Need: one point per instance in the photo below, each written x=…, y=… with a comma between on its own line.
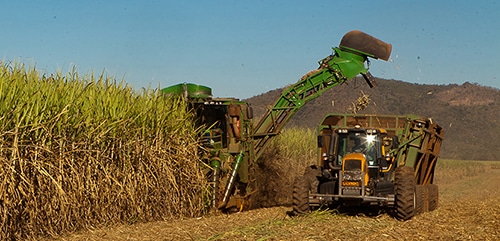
x=342, y=147
x=371, y=155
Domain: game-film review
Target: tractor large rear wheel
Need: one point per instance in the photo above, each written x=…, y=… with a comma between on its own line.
x=433, y=193
x=404, y=188
x=300, y=202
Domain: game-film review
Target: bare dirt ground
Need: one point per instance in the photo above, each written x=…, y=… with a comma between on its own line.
x=469, y=209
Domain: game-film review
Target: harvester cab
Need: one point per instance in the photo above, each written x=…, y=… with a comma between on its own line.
x=224, y=120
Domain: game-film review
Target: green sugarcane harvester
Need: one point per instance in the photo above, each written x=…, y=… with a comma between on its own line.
x=232, y=141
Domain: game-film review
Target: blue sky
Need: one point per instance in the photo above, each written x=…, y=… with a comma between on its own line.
x=245, y=48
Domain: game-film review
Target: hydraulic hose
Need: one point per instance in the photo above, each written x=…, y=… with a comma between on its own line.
x=232, y=180
x=215, y=164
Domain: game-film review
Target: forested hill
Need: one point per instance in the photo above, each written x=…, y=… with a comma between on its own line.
x=468, y=113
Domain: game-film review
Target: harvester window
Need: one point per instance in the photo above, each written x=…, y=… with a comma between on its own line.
x=213, y=118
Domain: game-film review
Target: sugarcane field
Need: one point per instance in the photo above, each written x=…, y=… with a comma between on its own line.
x=124, y=166
x=249, y=120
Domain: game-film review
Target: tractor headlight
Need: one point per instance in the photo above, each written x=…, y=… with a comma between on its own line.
x=342, y=130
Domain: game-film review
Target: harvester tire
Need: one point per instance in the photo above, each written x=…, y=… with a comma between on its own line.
x=433, y=192
x=404, y=189
x=421, y=200
x=300, y=202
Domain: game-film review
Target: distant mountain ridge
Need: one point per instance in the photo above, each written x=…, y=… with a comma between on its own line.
x=468, y=112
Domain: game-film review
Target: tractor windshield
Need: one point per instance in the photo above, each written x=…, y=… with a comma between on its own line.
x=359, y=142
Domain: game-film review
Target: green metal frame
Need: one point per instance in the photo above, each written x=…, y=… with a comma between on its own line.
x=333, y=70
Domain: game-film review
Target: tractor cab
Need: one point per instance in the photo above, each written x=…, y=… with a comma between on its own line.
x=372, y=144
x=355, y=161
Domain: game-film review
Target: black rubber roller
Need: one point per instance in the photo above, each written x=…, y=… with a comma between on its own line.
x=363, y=42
